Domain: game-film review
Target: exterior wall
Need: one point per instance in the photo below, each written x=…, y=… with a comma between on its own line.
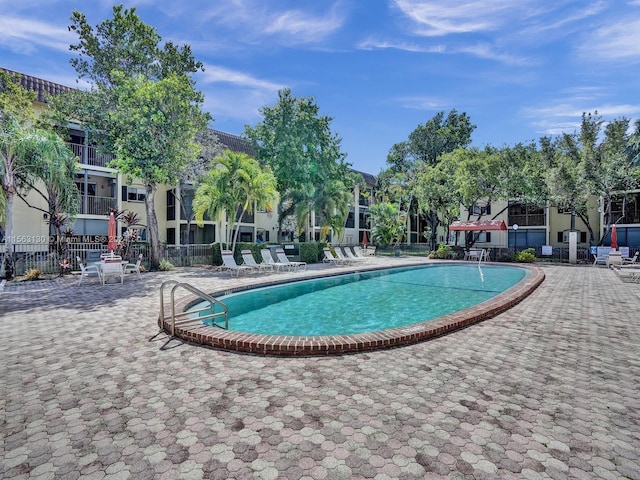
x=554, y=224
x=29, y=225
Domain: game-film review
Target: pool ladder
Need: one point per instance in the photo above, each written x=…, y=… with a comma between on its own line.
x=192, y=316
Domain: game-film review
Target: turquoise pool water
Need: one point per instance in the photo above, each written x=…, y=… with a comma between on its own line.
x=367, y=301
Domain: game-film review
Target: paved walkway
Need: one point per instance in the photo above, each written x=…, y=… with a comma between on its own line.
x=550, y=389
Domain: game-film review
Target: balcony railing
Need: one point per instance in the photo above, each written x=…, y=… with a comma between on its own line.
x=530, y=220
x=93, y=205
x=90, y=156
x=629, y=217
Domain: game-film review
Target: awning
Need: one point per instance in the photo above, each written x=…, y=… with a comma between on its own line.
x=478, y=226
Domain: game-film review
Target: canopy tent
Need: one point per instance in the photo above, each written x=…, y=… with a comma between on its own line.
x=478, y=225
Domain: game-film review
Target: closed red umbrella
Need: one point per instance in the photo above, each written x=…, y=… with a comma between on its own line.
x=614, y=238
x=111, y=241
x=365, y=241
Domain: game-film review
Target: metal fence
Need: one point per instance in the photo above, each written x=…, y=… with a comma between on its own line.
x=45, y=256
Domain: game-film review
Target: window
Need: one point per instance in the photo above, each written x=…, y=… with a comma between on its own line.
x=136, y=194
x=563, y=236
x=526, y=215
x=483, y=237
x=350, y=220
x=481, y=210
x=171, y=208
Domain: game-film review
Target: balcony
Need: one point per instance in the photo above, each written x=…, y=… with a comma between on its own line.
x=93, y=205
x=528, y=220
x=89, y=155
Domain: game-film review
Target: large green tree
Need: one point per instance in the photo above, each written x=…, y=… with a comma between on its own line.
x=425, y=146
x=597, y=161
x=298, y=145
x=142, y=107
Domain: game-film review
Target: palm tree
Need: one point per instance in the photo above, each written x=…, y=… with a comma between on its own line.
x=24, y=150
x=333, y=205
x=235, y=185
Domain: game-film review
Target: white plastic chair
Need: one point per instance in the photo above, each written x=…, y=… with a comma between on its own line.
x=134, y=267
x=87, y=271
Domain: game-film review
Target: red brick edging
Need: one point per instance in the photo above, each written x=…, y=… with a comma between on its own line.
x=339, y=344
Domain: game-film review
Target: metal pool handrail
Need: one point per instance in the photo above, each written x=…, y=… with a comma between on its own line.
x=191, y=316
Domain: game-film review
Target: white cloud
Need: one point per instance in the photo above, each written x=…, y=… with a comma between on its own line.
x=421, y=103
x=216, y=74
x=301, y=27
x=617, y=41
x=566, y=117
x=458, y=16
x=371, y=44
x=27, y=36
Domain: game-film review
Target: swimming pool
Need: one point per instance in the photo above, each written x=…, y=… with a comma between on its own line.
x=293, y=345
x=367, y=301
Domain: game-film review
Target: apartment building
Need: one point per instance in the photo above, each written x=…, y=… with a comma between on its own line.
x=102, y=189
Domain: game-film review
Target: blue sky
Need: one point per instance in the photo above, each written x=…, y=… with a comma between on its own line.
x=520, y=69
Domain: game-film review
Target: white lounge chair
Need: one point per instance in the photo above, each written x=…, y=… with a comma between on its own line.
x=88, y=271
x=268, y=259
x=341, y=255
x=351, y=257
x=247, y=258
x=229, y=263
x=628, y=273
x=282, y=258
x=330, y=258
x=357, y=251
x=630, y=260
x=134, y=267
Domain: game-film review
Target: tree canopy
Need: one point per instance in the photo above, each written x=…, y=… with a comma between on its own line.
x=143, y=106
x=297, y=143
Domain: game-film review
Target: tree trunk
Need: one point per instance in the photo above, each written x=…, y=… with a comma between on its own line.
x=235, y=235
x=8, y=236
x=155, y=248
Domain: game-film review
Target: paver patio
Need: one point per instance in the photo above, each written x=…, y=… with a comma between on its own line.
x=549, y=389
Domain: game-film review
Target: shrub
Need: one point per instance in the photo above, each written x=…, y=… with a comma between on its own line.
x=443, y=251
x=165, y=265
x=33, y=274
x=525, y=256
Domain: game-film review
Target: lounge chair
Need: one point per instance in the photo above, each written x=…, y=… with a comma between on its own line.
x=247, y=258
x=628, y=273
x=134, y=267
x=630, y=260
x=229, y=263
x=359, y=253
x=268, y=259
x=88, y=271
x=330, y=258
x=282, y=258
x=340, y=255
x=351, y=257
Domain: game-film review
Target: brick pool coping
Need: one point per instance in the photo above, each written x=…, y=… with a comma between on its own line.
x=280, y=345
